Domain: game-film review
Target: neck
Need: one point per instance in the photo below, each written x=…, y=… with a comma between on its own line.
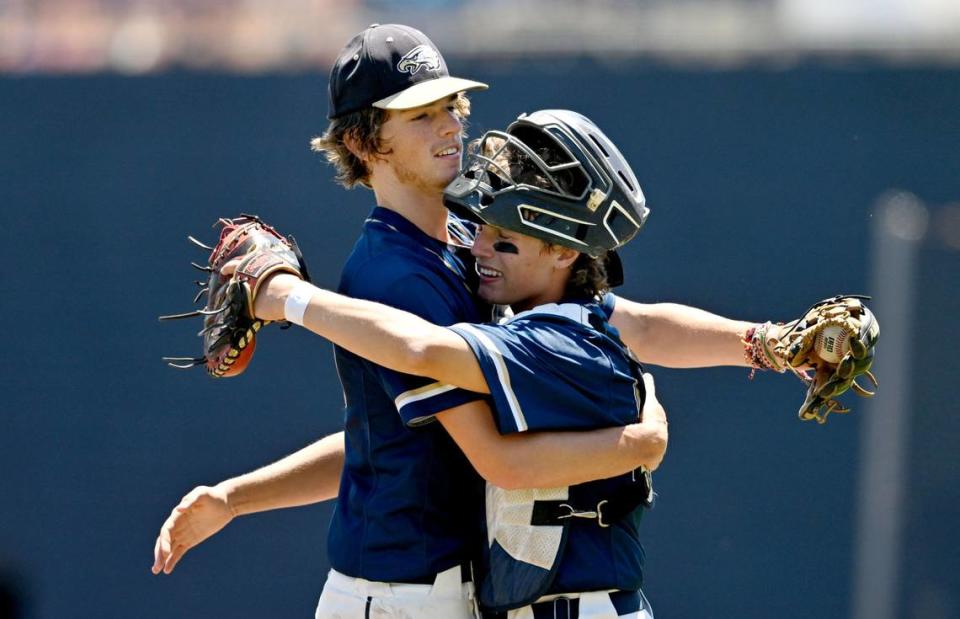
x=421, y=207
x=552, y=294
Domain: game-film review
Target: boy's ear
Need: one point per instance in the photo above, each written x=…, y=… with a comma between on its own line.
x=353, y=145
x=565, y=257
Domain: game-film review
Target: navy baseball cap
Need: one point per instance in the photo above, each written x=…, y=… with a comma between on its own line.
x=392, y=67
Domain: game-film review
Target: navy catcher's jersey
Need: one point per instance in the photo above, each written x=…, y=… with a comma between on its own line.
x=558, y=367
x=410, y=504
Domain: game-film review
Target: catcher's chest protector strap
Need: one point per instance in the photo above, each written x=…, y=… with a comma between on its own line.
x=605, y=511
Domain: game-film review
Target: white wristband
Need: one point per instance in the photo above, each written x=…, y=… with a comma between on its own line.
x=297, y=301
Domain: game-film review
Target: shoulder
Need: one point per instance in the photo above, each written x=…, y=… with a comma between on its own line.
x=548, y=331
x=392, y=280
x=383, y=266
x=568, y=327
x=387, y=253
x=568, y=316
x=418, y=291
x=377, y=263
x=391, y=268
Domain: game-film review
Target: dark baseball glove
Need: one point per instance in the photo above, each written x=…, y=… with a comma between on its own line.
x=829, y=348
x=229, y=325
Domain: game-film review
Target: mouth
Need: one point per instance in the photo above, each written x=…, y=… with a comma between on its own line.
x=447, y=152
x=486, y=273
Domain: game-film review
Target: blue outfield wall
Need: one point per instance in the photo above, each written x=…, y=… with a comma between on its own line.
x=761, y=185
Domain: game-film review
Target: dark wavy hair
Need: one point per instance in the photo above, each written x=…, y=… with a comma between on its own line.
x=588, y=277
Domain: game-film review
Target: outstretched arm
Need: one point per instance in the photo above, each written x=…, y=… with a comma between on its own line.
x=308, y=476
x=386, y=336
x=679, y=336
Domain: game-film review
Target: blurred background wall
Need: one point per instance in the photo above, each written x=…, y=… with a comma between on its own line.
x=789, y=151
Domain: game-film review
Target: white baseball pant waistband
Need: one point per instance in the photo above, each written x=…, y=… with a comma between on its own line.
x=447, y=584
x=590, y=605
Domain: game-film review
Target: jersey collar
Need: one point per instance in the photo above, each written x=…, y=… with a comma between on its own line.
x=398, y=223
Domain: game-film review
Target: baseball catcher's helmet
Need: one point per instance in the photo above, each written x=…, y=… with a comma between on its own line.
x=555, y=176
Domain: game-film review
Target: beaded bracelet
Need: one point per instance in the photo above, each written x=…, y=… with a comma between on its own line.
x=755, y=350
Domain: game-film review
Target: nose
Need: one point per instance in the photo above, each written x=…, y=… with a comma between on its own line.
x=482, y=244
x=450, y=123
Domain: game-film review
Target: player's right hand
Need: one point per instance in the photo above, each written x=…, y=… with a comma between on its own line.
x=201, y=513
x=652, y=409
x=652, y=412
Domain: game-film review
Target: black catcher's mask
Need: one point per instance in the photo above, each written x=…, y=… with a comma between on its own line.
x=555, y=176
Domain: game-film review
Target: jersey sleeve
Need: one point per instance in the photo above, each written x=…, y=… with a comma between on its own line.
x=608, y=303
x=418, y=398
x=549, y=376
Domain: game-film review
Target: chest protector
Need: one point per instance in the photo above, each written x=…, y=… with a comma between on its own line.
x=527, y=529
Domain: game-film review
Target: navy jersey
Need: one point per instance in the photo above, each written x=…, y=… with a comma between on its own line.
x=558, y=367
x=410, y=504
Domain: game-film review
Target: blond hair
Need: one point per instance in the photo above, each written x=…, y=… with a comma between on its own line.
x=363, y=126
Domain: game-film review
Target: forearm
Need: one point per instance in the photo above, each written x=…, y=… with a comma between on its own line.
x=384, y=335
x=551, y=459
x=308, y=476
x=679, y=336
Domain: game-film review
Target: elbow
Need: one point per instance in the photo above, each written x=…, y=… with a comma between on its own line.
x=512, y=480
x=504, y=472
x=425, y=350
x=498, y=474
x=416, y=358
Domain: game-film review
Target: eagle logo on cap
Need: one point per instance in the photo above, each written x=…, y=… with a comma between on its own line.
x=420, y=57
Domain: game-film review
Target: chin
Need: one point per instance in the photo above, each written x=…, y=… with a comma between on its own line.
x=491, y=297
x=448, y=178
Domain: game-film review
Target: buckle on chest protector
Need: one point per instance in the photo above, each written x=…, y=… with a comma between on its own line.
x=591, y=515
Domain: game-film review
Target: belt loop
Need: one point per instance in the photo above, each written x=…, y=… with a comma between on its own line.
x=568, y=609
x=375, y=588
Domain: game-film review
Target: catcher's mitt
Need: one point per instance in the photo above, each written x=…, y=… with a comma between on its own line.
x=229, y=325
x=841, y=328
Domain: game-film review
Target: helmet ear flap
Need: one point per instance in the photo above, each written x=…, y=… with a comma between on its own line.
x=614, y=268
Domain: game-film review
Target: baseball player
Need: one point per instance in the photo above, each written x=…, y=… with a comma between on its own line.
x=553, y=194
x=409, y=516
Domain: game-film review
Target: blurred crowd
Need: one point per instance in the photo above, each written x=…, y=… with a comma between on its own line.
x=140, y=36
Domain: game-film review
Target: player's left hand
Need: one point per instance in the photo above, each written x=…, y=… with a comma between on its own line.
x=201, y=513
x=256, y=252
x=828, y=348
x=268, y=305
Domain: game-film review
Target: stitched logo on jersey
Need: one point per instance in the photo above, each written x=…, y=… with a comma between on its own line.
x=420, y=57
